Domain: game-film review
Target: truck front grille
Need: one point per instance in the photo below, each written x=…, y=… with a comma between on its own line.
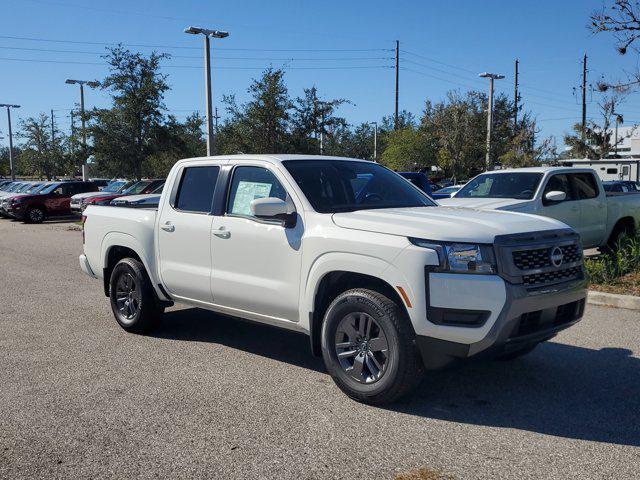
x=553, y=276
x=541, y=257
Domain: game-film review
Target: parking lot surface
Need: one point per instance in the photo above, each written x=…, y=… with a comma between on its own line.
x=207, y=396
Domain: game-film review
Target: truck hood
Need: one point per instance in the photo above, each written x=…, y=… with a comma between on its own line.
x=446, y=224
x=489, y=203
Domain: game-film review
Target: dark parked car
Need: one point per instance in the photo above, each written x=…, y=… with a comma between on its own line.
x=51, y=201
x=420, y=180
x=621, y=186
x=138, y=188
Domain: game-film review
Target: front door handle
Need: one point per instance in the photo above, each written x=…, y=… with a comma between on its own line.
x=168, y=227
x=222, y=233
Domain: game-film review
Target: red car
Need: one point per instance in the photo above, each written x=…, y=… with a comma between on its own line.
x=50, y=201
x=138, y=188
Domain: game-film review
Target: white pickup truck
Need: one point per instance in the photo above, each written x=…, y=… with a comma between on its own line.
x=574, y=196
x=384, y=281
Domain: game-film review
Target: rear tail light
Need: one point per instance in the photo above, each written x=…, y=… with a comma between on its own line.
x=84, y=219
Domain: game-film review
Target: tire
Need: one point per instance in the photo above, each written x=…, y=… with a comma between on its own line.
x=620, y=231
x=365, y=321
x=517, y=353
x=34, y=215
x=133, y=301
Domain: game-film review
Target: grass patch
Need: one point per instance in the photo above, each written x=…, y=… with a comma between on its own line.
x=617, y=271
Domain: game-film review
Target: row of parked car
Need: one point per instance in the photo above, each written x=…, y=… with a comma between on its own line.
x=35, y=201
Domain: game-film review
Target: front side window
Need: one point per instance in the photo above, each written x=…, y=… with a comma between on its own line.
x=558, y=183
x=585, y=185
x=521, y=186
x=249, y=184
x=195, y=193
x=343, y=186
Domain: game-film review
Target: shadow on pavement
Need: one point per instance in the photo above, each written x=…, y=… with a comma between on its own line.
x=559, y=389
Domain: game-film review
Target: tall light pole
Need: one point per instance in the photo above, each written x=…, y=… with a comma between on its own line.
x=211, y=148
x=619, y=120
x=9, y=106
x=91, y=84
x=491, y=77
x=375, y=140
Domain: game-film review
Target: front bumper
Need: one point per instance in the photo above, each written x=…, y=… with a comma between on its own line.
x=526, y=318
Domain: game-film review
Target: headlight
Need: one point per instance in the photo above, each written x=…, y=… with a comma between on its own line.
x=462, y=257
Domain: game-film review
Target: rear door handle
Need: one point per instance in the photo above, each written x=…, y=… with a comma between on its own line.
x=222, y=232
x=168, y=227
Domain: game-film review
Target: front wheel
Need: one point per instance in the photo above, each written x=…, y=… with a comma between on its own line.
x=133, y=301
x=34, y=215
x=368, y=347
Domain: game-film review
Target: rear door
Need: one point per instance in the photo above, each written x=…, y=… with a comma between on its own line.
x=567, y=211
x=593, y=208
x=57, y=201
x=184, y=233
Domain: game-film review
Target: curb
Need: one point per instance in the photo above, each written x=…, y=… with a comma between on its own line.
x=602, y=299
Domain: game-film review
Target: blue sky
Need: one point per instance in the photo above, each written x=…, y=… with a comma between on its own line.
x=445, y=45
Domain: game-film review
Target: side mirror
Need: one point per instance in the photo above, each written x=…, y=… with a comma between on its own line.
x=272, y=208
x=555, y=196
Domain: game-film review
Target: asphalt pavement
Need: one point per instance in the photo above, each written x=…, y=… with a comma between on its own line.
x=207, y=396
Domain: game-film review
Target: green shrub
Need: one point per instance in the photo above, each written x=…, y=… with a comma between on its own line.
x=606, y=268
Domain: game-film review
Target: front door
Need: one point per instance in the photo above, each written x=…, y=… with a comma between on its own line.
x=184, y=230
x=567, y=211
x=256, y=263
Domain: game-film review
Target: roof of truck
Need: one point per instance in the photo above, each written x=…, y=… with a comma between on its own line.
x=273, y=157
x=541, y=170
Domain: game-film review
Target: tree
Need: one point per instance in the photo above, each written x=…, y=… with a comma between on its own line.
x=123, y=135
x=313, y=117
x=622, y=19
x=41, y=156
x=406, y=150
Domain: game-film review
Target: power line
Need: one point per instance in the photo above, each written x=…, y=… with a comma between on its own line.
x=438, y=78
x=139, y=45
x=438, y=61
x=441, y=71
x=199, y=57
x=343, y=67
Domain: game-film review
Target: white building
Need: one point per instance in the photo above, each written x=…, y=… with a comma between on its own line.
x=628, y=142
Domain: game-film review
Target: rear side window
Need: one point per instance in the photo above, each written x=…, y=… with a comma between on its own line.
x=585, y=185
x=250, y=183
x=195, y=193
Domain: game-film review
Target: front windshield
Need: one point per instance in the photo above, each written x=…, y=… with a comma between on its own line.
x=34, y=188
x=114, y=187
x=23, y=188
x=521, y=186
x=49, y=188
x=344, y=186
x=136, y=188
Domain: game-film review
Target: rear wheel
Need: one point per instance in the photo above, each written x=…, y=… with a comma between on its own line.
x=133, y=301
x=620, y=232
x=368, y=347
x=34, y=215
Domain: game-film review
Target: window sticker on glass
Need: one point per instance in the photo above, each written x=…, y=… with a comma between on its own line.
x=246, y=193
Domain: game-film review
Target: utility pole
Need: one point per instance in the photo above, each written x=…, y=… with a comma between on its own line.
x=515, y=98
x=321, y=133
x=9, y=106
x=53, y=132
x=73, y=138
x=584, y=97
x=375, y=141
x=82, y=83
x=491, y=77
x=216, y=117
x=211, y=147
x=395, y=117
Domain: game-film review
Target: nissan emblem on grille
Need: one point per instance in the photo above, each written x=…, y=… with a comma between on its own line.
x=556, y=256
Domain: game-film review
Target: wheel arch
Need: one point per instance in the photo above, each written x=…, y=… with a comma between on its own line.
x=335, y=282
x=627, y=223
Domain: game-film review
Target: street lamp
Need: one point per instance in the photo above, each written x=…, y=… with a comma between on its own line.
x=9, y=106
x=619, y=120
x=491, y=77
x=375, y=140
x=91, y=84
x=207, y=77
